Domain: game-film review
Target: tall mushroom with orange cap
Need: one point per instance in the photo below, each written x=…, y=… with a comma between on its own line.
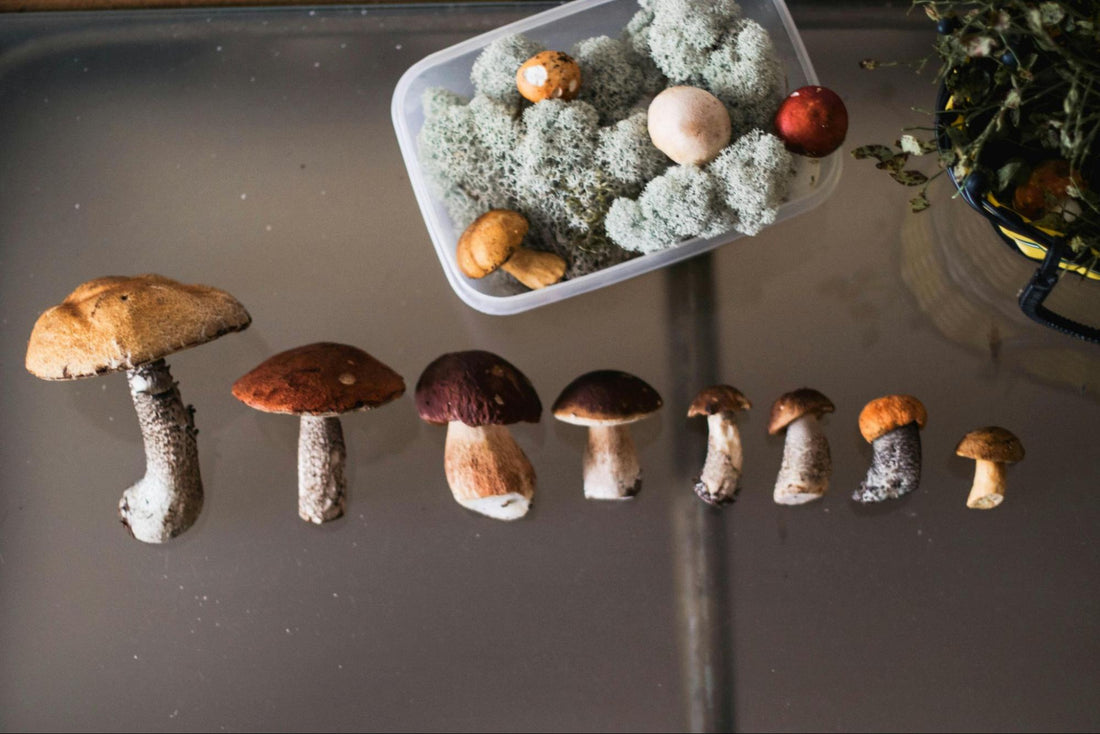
x=991, y=448
x=477, y=395
x=717, y=483
x=131, y=324
x=495, y=240
x=319, y=383
x=891, y=424
x=807, y=464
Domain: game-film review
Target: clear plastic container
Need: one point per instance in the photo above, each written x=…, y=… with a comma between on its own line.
x=561, y=27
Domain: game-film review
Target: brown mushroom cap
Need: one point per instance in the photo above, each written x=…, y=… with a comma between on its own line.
x=322, y=379
x=884, y=414
x=791, y=406
x=490, y=241
x=718, y=399
x=121, y=322
x=606, y=398
x=477, y=388
x=991, y=443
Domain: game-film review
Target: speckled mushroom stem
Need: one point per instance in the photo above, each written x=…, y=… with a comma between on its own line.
x=611, y=469
x=487, y=470
x=988, y=489
x=804, y=474
x=168, y=499
x=717, y=484
x=322, y=488
x=895, y=466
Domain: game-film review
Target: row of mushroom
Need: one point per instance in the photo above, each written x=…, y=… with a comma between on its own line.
x=132, y=324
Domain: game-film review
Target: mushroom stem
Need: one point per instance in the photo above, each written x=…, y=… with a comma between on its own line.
x=321, y=457
x=611, y=469
x=168, y=499
x=988, y=489
x=488, y=471
x=717, y=484
x=535, y=268
x=807, y=464
x=895, y=465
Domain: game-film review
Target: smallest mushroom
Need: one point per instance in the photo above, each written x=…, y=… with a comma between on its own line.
x=991, y=448
x=807, y=463
x=891, y=424
x=717, y=484
x=495, y=240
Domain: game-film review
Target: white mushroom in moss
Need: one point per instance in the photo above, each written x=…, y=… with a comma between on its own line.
x=689, y=125
x=991, y=448
x=891, y=424
x=319, y=383
x=807, y=464
x=131, y=324
x=717, y=483
x=495, y=240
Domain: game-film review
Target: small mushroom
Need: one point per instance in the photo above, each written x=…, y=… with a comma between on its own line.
x=891, y=424
x=494, y=240
x=549, y=75
x=991, y=448
x=607, y=401
x=807, y=463
x=717, y=484
x=131, y=324
x=689, y=125
x=477, y=394
x=319, y=382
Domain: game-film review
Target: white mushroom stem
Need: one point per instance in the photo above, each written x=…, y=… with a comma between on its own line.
x=717, y=484
x=168, y=499
x=611, y=469
x=988, y=489
x=535, y=268
x=895, y=465
x=488, y=471
x=807, y=464
x=321, y=457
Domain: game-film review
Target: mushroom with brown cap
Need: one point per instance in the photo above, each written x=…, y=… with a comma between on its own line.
x=991, y=448
x=717, y=483
x=607, y=402
x=477, y=394
x=891, y=424
x=495, y=241
x=807, y=464
x=320, y=382
x=121, y=323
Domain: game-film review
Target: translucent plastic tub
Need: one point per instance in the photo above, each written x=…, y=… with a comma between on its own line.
x=561, y=27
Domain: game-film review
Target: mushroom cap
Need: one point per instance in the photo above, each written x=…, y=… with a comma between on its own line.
x=121, y=322
x=490, y=241
x=884, y=414
x=718, y=399
x=322, y=379
x=991, y=443
x=791, y=406
x=606, y=398
x=477, y=388
x=688, y=124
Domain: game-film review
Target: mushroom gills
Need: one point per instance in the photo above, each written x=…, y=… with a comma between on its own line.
x=717, y=483
x=807, y=464
x=611, y=468
x=895, y=465
x=488, y=471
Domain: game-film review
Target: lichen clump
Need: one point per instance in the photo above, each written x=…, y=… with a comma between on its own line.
x=584, y=172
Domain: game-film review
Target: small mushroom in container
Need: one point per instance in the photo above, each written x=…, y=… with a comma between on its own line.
x=717, y=483
x=319, y=383
x=991, y=448
x=477, y=395
x=891, y=424
x=607, y=402
x=495, y=241
x=807, y=464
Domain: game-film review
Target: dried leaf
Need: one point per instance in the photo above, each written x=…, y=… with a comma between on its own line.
x=893, y=164
x=919, y=203
x=880, y=152
x=910, y=177
x=911, y=145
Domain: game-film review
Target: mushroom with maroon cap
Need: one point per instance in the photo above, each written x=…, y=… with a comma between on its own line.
x=991, y=448
x=804, y=474
x=717, y=484
x=495, y=240
x=122, y=323
x=320, y=382
x=606, y=402
x=477, y=394
x=891, y=424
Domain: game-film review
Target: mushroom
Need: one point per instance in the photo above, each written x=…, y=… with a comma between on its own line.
x=494, y=240
x=689, y=125
x=807, y=464
x=891, y=424
x=549, y=75
x=717, y=484
x=991, y=448
x=477, y=395
x=132, y=323
x=606, y=402
x=320, y=382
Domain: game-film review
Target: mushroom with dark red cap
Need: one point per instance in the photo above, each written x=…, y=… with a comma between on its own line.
x=320, y=382
x=131, y=324
x=807, y=464
x=717, y=483
x=891, y=424
x=477, y=394
x=495, y=241
x=991, y=448
x=607, y=402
